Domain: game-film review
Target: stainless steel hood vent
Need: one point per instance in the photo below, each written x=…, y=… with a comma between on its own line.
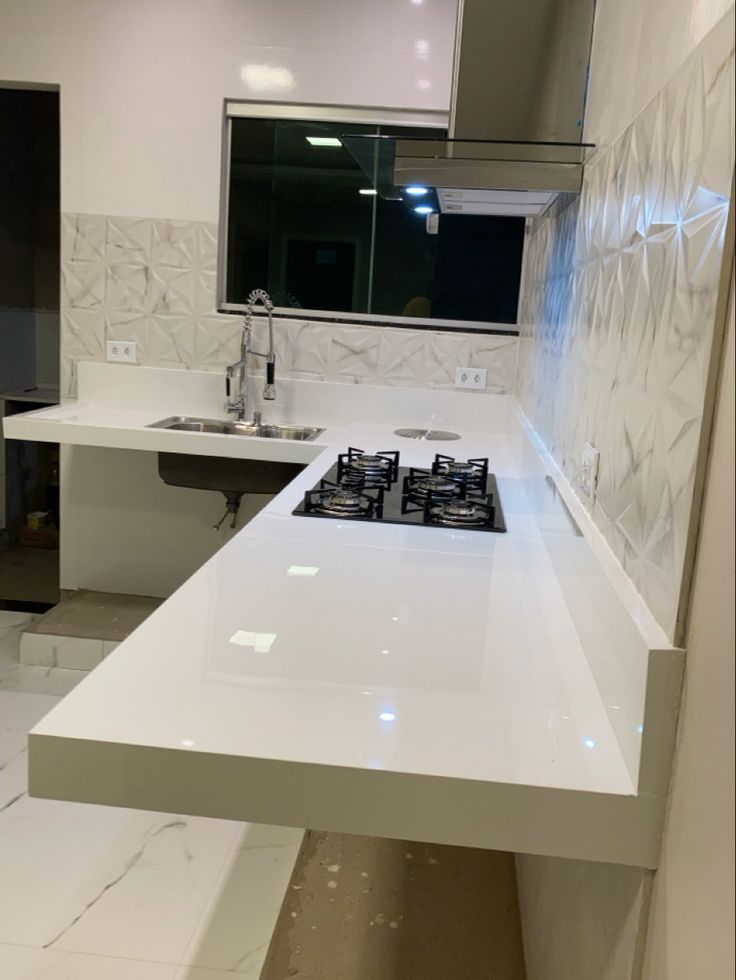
x=516, y=114
x=471, y=176
x=529, y=204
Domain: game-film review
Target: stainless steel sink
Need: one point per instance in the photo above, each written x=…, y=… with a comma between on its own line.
x=185, y=423
x=229, y=476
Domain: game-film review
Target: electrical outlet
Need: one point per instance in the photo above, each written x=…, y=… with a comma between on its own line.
x=473, y=378
x=589, y=460
x=121, y=350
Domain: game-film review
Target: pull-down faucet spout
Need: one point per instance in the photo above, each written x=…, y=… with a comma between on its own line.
x=239, y=370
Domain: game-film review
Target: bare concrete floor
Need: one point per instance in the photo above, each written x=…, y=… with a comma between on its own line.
x=363, y=908
x=96, y=615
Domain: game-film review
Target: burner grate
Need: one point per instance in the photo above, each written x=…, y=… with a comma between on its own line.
x=472, y=472
x=357, y=468
x=420, y=485
x=467, y=512
x=337, y=500
x=459, y=495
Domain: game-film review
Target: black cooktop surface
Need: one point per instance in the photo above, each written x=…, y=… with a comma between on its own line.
x=451, y=493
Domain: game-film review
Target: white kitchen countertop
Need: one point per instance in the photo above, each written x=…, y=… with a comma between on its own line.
x=84, y=424
x=399, y=681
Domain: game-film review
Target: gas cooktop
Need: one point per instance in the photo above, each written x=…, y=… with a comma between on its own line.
x=452, y=493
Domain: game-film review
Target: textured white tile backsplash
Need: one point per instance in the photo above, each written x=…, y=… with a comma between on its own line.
x=153, y=282
x=617, y=317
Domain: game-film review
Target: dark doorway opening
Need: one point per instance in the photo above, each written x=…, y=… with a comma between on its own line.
x=321, y=273
x=29, y=343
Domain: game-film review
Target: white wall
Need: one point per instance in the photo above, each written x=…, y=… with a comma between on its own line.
x=142, y=90
x=124, y=530
x=581, y=920
x=691, y=925
x=637, y=46
x=142, y=83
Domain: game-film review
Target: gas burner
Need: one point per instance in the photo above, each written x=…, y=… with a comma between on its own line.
x=471, y=472
x=372, y=488
x=468, y=512
x=358, y=469
x=420, y=485
x=340, y=501
x=438, y=486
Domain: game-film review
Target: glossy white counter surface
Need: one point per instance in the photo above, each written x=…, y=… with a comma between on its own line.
x=84, y=424
x=312, y=629
x=398, y=681
x=118, y=404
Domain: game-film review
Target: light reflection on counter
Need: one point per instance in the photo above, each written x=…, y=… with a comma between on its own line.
x=261, y=642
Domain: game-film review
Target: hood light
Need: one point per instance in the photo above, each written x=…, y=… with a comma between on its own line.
x=323, y=141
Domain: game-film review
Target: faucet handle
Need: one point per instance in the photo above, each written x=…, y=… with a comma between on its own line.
x=257, y=418
x=269, y=390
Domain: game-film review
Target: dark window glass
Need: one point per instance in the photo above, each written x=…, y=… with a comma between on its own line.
x=299, y=226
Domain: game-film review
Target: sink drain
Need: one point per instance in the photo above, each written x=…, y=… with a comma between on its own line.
x=428, y=435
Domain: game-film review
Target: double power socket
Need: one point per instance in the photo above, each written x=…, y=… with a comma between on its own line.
x=471, y=378
x=121, y=350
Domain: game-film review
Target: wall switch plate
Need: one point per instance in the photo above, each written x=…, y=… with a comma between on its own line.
x=121, y=350
x=473, y=378
x=589, y=460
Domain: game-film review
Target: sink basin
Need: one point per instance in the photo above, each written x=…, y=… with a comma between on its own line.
x=228, y=476
x=263, y=430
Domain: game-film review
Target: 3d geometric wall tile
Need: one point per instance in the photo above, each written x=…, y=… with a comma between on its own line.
x=617, y=317
x=153, y=281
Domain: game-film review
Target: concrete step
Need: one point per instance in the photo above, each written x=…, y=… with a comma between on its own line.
x=83, y=629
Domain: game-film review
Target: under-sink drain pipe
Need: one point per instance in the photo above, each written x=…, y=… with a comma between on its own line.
x=233, y=506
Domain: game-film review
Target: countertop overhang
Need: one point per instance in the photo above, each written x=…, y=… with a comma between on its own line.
x=490, y=690
x=84, y=424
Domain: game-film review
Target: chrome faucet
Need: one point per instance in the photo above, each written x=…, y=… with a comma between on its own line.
x=239, y=371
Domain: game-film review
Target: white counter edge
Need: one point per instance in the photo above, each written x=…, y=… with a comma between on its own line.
x=538, y=820
x=38, y=427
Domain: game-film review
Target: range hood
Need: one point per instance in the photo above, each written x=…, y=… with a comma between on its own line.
x=516, y=114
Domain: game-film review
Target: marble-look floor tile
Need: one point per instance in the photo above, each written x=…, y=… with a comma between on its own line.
x=70, y=652
x=234, y=933
x=12, y=625
x=25, y=963
x=13, y=782
x=112, y=882
x=12, y=743
x=21, y=679
x=204, y=973
x=20, y=713
x=97, y=893
x=56, y=681
x=96, y=879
